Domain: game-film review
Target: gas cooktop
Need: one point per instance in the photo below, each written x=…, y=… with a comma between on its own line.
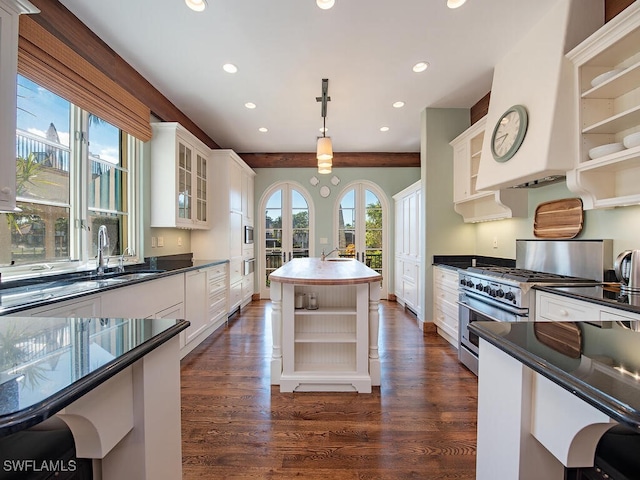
x=525, y=276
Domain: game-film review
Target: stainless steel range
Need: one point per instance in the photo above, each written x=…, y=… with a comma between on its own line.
x=505, y=294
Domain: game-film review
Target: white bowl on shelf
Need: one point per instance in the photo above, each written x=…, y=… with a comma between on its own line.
x=605, y=76
x=632, y=140
x=603, y=150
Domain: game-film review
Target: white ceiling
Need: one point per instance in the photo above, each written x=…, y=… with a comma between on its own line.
x=283, y=49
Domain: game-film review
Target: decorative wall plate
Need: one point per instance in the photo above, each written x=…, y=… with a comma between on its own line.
x=325, y=191
x=335, y=180
x=314, y=181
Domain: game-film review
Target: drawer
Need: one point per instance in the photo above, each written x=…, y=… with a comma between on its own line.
x=217, y=285
x=445, y=277
x=217, y=271
x=562, y=309
x=218, y=307
x=410, y=271
x=446, y=293
x=608, y=315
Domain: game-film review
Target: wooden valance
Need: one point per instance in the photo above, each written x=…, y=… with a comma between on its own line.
x=46, y=60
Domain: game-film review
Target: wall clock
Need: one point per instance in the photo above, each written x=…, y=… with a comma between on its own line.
x=509, y=132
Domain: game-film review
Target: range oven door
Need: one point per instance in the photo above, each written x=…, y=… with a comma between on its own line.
x=476, y=308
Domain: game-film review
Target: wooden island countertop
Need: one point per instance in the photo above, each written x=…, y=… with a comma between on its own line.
x=332, y=271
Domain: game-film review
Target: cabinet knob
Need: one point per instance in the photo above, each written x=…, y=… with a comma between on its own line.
x=563, y=312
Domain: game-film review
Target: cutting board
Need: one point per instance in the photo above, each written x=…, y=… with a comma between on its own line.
x=559, y=219
x=563, y=337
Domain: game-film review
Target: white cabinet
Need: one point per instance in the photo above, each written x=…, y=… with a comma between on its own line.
x=608, y=112
x=474, y=205
x=408, y=259
x=179, y=178
x=553, y=307
x=445, y=306
x=10, y=11
x=87, y=307
x=205, y=302
x=232, y=195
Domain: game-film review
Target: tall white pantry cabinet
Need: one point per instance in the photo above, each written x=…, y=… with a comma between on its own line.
x=231, y=212
x=408, y=252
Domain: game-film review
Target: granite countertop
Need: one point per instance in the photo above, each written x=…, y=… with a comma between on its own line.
x=48, y=363
x=605, y=375
x=466, y=261
x=332, y=271
x=16, y=296
x=598, y=294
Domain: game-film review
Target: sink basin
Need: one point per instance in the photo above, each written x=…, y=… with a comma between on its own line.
x=338, y=259
x=134, y=276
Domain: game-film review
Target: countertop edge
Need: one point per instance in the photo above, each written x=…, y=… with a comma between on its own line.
x=591, y=395
x=63, y=298
x=39, y=412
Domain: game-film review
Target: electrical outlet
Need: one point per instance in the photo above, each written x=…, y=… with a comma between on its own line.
x=324, y=240
x=160, y=241
x=495, y=242
x=179, y=241
x=153, y=242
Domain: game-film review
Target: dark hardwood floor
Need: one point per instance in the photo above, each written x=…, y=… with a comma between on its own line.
x=420, y=424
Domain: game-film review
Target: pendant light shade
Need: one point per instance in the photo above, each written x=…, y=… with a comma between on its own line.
x=324, y=150
x=324, y=168
x=196, y=5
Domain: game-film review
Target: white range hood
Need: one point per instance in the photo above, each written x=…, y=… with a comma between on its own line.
x=536, y=74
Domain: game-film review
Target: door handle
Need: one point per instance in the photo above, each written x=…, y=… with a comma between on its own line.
x=284, y=257
x=289, y=256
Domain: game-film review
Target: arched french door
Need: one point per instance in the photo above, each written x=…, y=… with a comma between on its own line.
x=287, y=228
x=361, y=226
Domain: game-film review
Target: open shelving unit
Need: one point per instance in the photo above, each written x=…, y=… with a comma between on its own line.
x=608, y=112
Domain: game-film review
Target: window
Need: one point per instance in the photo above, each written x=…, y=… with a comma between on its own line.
x=74, y=172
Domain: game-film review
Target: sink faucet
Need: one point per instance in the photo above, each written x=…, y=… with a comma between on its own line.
x=121, y=259
x=103, y=242
x=323, y=256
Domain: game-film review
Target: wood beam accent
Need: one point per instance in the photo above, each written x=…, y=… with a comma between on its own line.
x=61, y=23
x=480, y=109
x=340, y=160
x=614, y=7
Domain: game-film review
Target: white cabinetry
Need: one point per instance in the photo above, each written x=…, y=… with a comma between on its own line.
x=408, y=259
x=87, y=307
x=553, y=307
x=205, y=303
x=179, y=178
x=608, y=112
x=232, y=195
x=445, y=303
x=474, y=205
x=10, y=11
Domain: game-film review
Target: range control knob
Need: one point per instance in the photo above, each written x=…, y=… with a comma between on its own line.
x=463, y=282
x=509, y=296
x=500, y=293
x=486, y=289
x=470, y=283
x=492, y=292
x=479, y=287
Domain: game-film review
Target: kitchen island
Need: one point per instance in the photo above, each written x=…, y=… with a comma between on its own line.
x=330, y=343
x=548, y=391
x=114, y=382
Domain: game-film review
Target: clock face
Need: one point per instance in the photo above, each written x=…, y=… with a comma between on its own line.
x=509, y=133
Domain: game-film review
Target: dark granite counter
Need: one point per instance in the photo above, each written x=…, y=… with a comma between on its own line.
x=606, y=376
x=466, y=261
x=598, y=294
x=48, y=363
x=16, y=296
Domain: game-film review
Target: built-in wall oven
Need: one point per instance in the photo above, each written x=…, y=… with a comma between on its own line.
x=248, y=234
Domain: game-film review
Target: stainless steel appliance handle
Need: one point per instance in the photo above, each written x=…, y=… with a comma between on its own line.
x=496, y=304
x=479, y=312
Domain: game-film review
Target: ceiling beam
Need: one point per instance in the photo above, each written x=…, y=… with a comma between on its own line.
x=340, y=160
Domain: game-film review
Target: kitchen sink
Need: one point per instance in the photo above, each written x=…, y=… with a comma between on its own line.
x=339, y=259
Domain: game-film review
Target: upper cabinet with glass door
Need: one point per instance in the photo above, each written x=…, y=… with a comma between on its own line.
x=179, y=185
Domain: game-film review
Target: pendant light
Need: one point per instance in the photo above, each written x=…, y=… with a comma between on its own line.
x=196, y=5
x=324, y=148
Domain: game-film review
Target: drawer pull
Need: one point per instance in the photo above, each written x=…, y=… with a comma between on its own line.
x=564, y=313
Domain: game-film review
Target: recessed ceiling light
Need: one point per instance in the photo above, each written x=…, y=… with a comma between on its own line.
x=230, y=68
x=325, y=4
x=263, y=129
x=323, y=129
x=250, y=105
x=398, y=104
x=455, y=3
x=196, y=5
x=420, y=67
x=384, y=129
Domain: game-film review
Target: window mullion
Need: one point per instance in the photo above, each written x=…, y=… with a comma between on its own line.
x=81, y=234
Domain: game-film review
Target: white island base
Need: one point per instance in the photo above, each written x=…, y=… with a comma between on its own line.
x=333, y=348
